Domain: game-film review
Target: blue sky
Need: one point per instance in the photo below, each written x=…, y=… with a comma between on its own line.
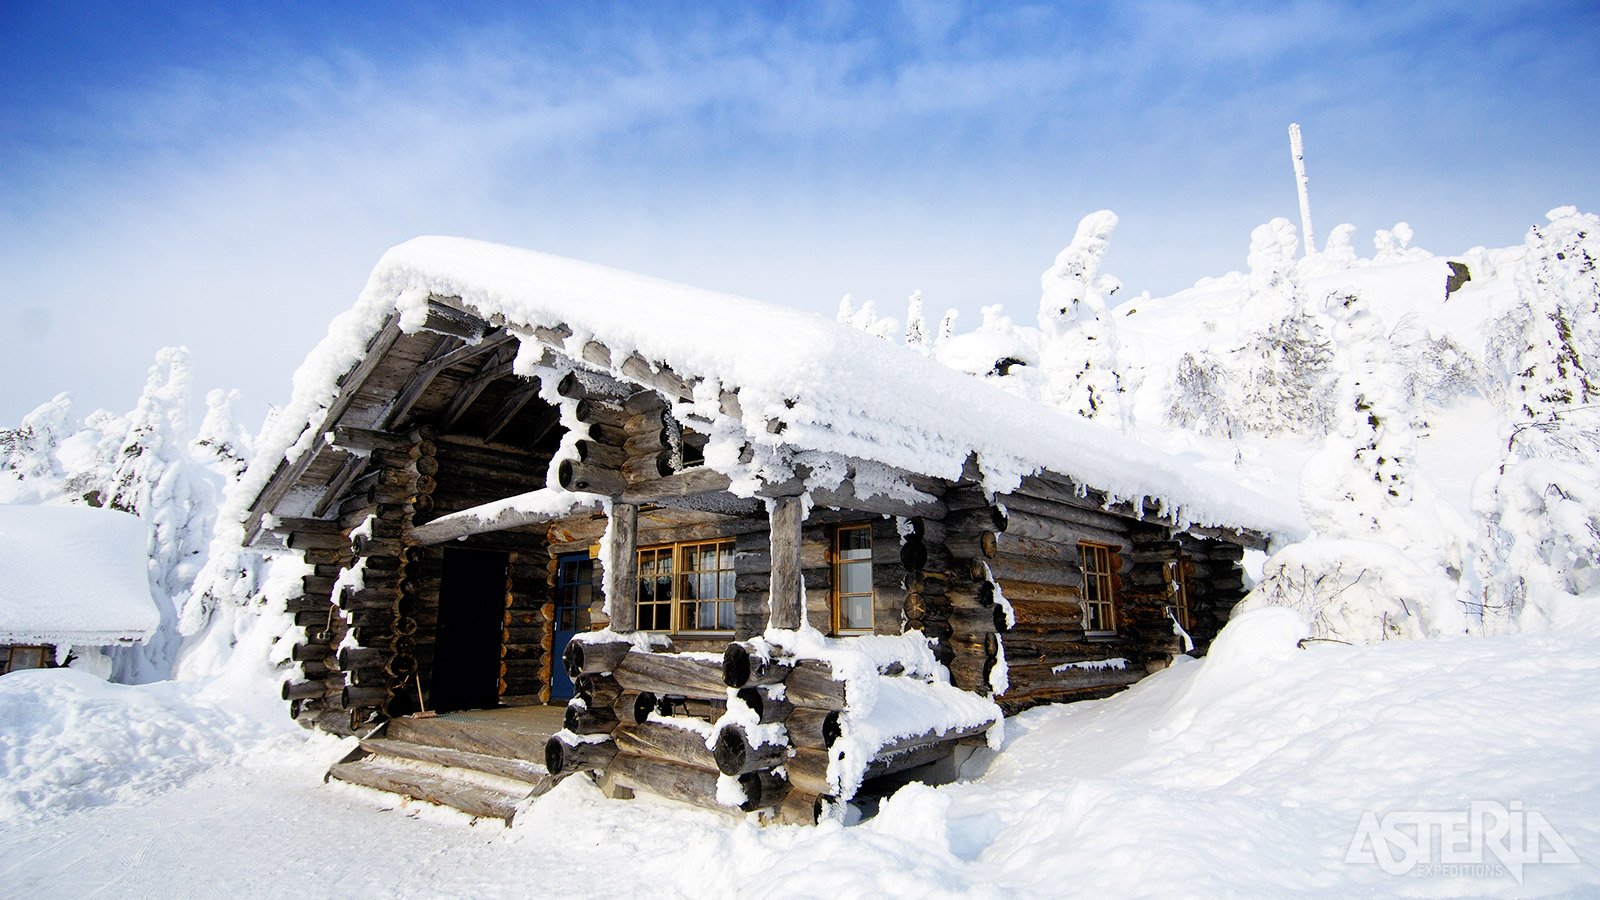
x=225, y=177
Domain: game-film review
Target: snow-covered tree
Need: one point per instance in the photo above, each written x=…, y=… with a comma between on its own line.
x=1275, y=381
x=1547, y=344
x=865, y=317
x=1393, y=245
x=947, y=328
x=917, y=336
x=1540, y=510
x=1078, y=347
x=28, y=452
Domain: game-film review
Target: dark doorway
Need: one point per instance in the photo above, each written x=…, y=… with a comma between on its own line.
x=574, y=594
x=472, y=611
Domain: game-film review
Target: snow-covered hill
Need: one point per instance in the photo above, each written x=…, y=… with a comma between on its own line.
x=1443, y=444
x=1247, y=774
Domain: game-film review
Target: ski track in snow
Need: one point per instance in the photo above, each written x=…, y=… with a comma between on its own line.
x=1243, y=775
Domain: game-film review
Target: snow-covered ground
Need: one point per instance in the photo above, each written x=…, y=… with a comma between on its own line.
x=1246, y=774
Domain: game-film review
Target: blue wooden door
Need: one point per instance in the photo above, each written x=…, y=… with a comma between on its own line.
x=574, y=594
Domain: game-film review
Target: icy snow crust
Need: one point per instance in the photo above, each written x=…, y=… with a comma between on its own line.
x=74, y=575
x=837, y=391
x=1241, y=775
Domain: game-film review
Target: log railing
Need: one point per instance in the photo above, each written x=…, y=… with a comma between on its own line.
x=650, y=721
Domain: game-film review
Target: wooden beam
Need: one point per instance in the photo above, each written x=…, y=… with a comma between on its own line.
x=513, y=404
x=287, y=474
x=499, y=515
x=787, y=604
x=417, y=383
x=622, y=564
x=496, y=366
x=347, y=473
x=445, y=318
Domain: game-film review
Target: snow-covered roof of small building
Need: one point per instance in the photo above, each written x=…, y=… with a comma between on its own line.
x=74, y=575
x=802, y=381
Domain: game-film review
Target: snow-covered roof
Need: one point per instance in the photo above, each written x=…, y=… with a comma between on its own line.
x=833, y=389
x=74, y=575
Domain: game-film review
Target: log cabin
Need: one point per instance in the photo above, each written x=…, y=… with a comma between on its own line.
x=563, y=519
x=74, y=589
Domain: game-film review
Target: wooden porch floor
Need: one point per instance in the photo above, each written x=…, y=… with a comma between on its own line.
x=484, y=762
x=514, y=732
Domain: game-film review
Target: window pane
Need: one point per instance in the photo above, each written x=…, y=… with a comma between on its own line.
x=725, y=584
x=855, y=578
x=857, y=612
x=855, y=543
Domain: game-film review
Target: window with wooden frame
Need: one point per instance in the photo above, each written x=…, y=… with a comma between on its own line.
x=655, y=589
x=686, y=587
x=705, y=586
x=16, y=657
x=1099, y=595
x=1182, y=609
x=852, y=579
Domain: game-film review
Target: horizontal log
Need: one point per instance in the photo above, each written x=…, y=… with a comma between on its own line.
x=603, y=455
x=674, y=782
x=1032, y=677
x=576, y=476
x=1046, y=614
x=811, y=685
x=763, y=789
x=695, y=707
x=595, y=689
x=301, y=690
x=767, y=709
x=1102, y=520
x=356, y=696
x=561, y=757
x=302, y=540
x=651, y=442
x=903, y=760
x=670, y=674
x=1049, y=593
x=801, y=808
x=735, y=754
x=816, y=729
x=634, y=707
x=743, y=667
x=593, y=657
x=591, y=410
x=808, y=772
x=1028, y=525
x=657, y=740
x=638, y=469
x=580, y=719
x=978, y=621
x=687, y=483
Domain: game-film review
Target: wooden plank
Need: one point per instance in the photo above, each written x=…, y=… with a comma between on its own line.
x=288, y=473
x=786, y=601
x=513, y=404
x=623, y=561
x=472, y=799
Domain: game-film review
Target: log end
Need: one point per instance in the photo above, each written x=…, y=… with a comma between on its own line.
x=736, y=666
x=555, y=751
x=643, y=706
x=731, y=750
x=752, y=697
x=572, y=660
x=762, y=790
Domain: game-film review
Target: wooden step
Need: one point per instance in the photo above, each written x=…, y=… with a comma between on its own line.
x=519, y=770
x=473, y=799
x=515, y=733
